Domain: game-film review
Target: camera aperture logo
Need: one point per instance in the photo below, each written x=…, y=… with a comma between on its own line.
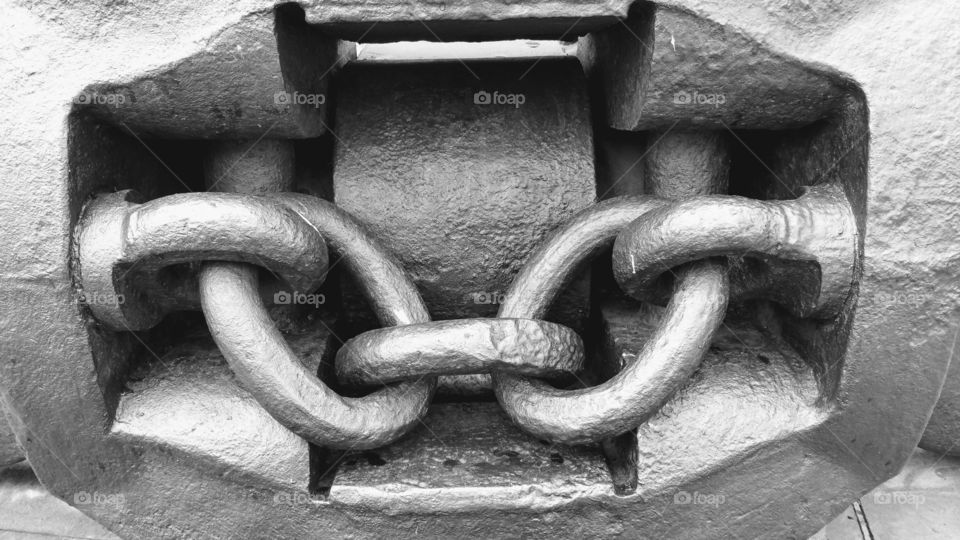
x=85, y=498
x=298, y=98
x=696, y=98
x=482, y=97
x=296, y=298
x=705, y=499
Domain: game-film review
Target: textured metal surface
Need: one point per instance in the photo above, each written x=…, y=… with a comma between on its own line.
x=27, y=510
x=122, y=247
x=263, y=361
x=682, y=164
x=630, y=397
x=557, y=414
x=942, y=434
x=666, y=67
x=10, y=451
x=247, y=77
x=266, y=366
x=384, y=21
x=627, y=400
x=460, y=347
x=872, y=404
x=188, y=404
x=818, y=227
x=259, y=354
x=498, y=177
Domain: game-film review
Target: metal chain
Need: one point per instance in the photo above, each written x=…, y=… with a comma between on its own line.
x=512, y=348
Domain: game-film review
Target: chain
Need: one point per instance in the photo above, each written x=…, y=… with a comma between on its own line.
x=687, y=240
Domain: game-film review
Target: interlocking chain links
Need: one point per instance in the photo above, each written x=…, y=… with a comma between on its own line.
x=818, y=227
x=682, y=164
x=460, y=347
x=269, y=369
x=122, y=246
x=669, y=357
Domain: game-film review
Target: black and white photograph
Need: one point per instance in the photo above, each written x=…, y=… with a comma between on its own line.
x=482, y=269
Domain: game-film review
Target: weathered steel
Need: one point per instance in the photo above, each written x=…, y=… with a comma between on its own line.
x=258, y=354
x=385, y=21
x=264, y=72
x=835, y=426
x=818, y=227
x=311, y=409
x=122, y=247
x=10, y=450
x=266, y=366
x=630, y=397
x=503, y=152
x=556, y=414
x=627, y=400
x=679, y=164
x=460, y=347
x=498, y=176
x=666, y=67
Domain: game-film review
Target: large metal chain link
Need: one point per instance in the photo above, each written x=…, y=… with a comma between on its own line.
x=670, y=356
x=269, y=369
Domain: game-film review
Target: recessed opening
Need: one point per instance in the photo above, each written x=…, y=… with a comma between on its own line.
x=464, y=50
x=765, y=164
